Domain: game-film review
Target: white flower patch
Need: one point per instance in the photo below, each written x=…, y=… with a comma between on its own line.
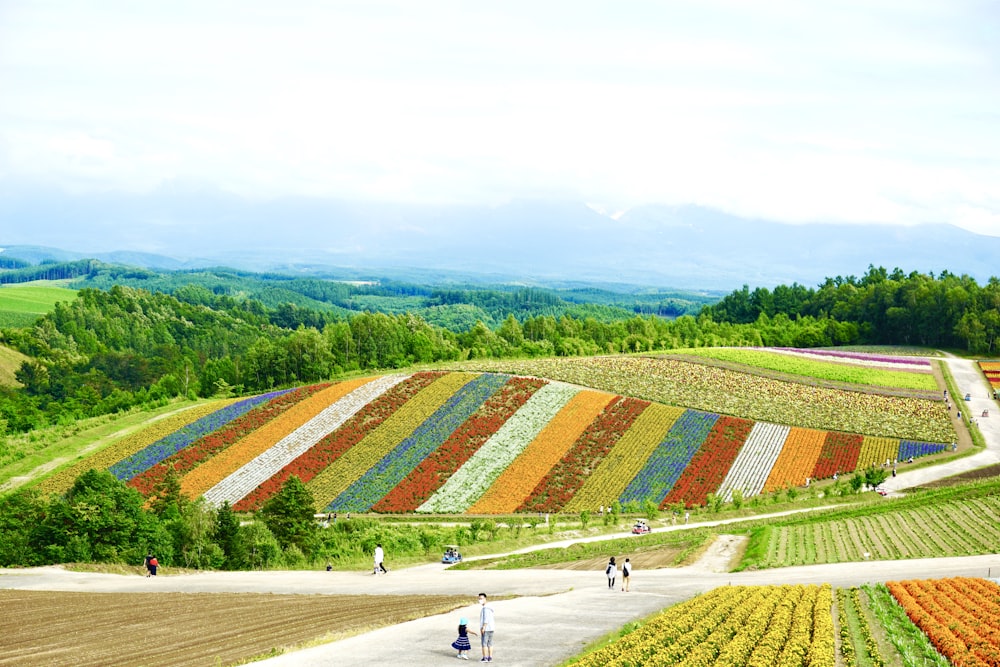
x=755, y=460
x=269, y=462
x=472, y=480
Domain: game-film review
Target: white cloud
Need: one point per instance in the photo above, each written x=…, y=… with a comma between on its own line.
x=868, y=111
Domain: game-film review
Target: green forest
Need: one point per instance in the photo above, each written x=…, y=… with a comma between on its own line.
x=113, y=349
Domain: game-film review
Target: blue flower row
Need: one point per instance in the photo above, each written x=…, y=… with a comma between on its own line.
x=671, y=456
x=908, y=448
x=400, y=462
x=169, y=445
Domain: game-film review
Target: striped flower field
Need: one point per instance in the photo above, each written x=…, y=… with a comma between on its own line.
x=475, y=443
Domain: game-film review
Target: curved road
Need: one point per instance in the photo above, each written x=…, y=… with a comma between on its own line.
x=555, y=612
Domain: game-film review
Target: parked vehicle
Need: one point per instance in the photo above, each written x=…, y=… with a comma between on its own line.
x=641, y=527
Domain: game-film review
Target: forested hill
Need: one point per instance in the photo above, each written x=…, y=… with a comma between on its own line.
x=331, y=295
x=882, y=308
x=113, y=349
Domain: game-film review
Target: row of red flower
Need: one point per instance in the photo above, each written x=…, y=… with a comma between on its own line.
x=210, y=445
x=566, y=477
x=329, y=449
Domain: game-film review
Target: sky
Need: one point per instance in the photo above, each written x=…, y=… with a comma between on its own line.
x=845, y=111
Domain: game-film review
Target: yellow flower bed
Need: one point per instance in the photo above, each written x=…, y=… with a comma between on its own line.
x=549, y=446
x=209, y=473
x=130, y=444
x=876, y=451
x=626, y=458
x=356, y=461
x=737, y=626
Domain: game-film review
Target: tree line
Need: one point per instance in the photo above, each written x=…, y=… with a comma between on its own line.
x=111, y=350
x=108, y=351
x=886, y=308
x=102, y=520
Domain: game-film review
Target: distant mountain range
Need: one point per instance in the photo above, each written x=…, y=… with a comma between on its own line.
x=665, y=246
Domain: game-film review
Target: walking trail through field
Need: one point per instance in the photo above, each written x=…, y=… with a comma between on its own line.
x=544, y=616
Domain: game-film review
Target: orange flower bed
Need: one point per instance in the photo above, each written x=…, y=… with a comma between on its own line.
x=208, y=474
x=960, y=616
x=797, y=458
x=549, y=446
x=130, y=444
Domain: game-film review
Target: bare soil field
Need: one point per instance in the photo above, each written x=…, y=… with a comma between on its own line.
x=178, y=629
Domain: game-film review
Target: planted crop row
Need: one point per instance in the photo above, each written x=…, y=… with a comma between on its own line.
x=211, y=444
x=625, y=460
x=960, y=616
x=435, y=470
x=209, y=473
x=865, y=358
x=485, y=443
x=746, y=395
x=864, y=371
x=313, y=461
x=991, y=369
x=763, y=626
x=400, y=462
x=353, y=463
x=551, y=444
x=129, y=445
x=711, y=464
x=755, y=460
x=559, y=485
x=243, y=481
x=472, y=480
x=664, y=466
x=958, y=528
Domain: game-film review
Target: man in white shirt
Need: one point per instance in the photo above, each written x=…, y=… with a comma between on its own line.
x=486, y=627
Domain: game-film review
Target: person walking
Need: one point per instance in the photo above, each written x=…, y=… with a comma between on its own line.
x=151, y=564
x=626, y=573
x=379, y=558
x=462, y=644
x=486, y=627
x=612, y=571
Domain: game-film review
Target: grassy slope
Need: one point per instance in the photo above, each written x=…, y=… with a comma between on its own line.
x=33, y=456
x=824, y=370
x=10, y=361
x=22, y=304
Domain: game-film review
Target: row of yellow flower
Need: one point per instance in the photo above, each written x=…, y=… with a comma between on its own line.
x=231, y=459
x=549, y=446
x=356, y=461
x=130, y=444
x=876, y=451
x=741, y=626
x=626, y=459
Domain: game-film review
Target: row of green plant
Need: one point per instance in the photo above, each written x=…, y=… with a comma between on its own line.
x=952, y=521
x=824, y=370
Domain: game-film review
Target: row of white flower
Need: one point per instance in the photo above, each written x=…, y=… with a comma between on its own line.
x=755, y=460
x=472, y=480
x=240, y=483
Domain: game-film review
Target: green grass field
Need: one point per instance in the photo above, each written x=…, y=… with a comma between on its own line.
x=824, y=370
x=22, y=304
